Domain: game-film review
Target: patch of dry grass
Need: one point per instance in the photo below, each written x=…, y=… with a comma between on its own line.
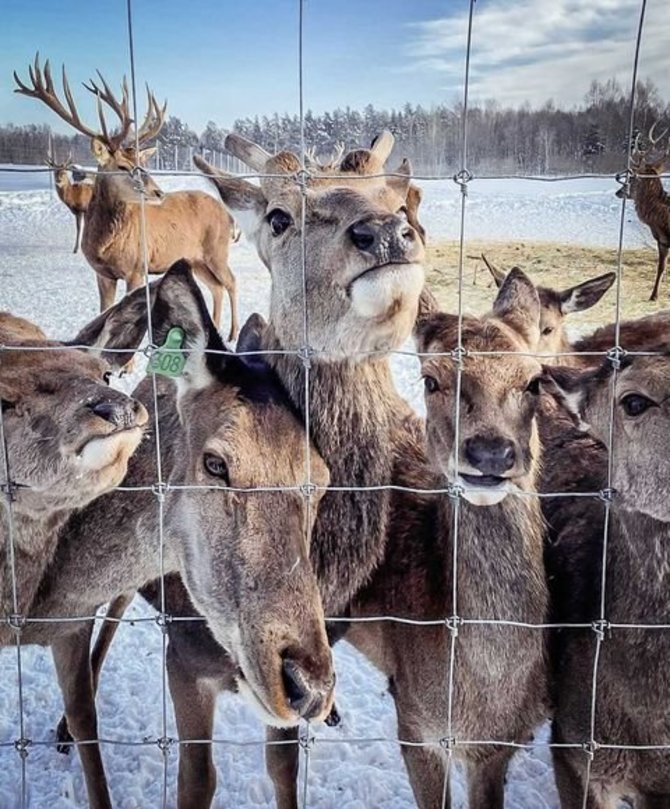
x=547, y=264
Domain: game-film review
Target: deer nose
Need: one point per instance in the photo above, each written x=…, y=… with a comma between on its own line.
x=490, y=455
x=307, y=694
x=124, y=413
x=392, y=235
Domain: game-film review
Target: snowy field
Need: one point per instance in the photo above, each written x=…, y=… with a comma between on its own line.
x=40, y=279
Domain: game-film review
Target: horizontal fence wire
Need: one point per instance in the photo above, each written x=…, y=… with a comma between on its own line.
x=161, y=489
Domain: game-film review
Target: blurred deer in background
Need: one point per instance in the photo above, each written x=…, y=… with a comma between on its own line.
x=76, y=194
x=652, y=202
x=184, y=224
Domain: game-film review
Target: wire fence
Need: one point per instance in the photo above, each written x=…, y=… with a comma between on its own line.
x=450, y=743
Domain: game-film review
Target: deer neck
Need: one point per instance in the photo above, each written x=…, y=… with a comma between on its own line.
x=499, y=553
x=638, y=569
x=351, y=413
x=649, y=192
x=106, y=204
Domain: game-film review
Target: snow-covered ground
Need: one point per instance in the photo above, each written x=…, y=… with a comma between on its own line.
x=40, y=279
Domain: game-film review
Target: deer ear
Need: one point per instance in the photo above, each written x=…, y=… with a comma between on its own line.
x=251, y=339
x=431, y=324
x=145, y=154
x=122, y=326
x=246, y=202
x=568, y=388
x=413, y=202
x=100, y=152
x=584, y=296
x=518, y=305
x=179, y=311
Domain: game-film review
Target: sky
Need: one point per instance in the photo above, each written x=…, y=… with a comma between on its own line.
x=223, y=59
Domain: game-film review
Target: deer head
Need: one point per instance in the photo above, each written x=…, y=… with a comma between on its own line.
x=641, y=391
x=244, y=555
x=646, y=160
x=68, y=434
x=115, y=151
x=557, y=304
x=362, y=257
x=498, y=446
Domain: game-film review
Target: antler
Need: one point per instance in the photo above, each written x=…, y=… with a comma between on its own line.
x=44, y=90
x=153, y=120
x=120, y=108
x=650, y=137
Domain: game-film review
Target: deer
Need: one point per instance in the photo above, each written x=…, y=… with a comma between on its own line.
x=632, y=687
x=230, y=440
x=556, y=305
x=76, y=195
x=67, y=439
x=652, y=203
x=127, y=208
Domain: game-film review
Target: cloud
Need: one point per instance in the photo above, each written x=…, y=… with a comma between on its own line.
x=533, y=50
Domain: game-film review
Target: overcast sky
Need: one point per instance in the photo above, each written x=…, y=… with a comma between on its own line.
x=223, y=59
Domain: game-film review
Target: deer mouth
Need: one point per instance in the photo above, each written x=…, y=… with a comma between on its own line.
x=485, y=481
x=379, y=269
x=101, y=451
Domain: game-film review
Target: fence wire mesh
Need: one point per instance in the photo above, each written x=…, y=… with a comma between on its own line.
x=450, y=742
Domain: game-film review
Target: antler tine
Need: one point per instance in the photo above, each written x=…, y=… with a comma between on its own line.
x=650, y=137
x=153, y=120
x=120, y=108
x=44, y=90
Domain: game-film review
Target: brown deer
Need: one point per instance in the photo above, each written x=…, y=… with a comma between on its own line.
x=76, y=195
x=67, y=439
x=183, y=224
x=652, y=203
x=228, y=428
x=556, y=305
x=632, y=687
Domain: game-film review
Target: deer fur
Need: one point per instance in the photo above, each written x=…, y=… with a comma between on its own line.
x=75, y=195
x=245, y=564
x=633, y=687
x=68, y=439
x=186, y=224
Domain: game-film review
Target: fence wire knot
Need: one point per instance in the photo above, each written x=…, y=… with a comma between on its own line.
x=159, y=490
x=615, y=355
x=16, y=621
x=9, y=489
x=624, y=177
x=607, y=495
x=600, y=628
x=163, y=619
x=306, y=353
x=458, y=354
x=149, y=350
x=137, y=176
x=462, y=178
x=590, y=748
x=448, y=743
x=455, y=491
x=302, y=177
x=453, y=623
x=21, y=746
x=306, y=740
x=307, y=489
x=164, y=743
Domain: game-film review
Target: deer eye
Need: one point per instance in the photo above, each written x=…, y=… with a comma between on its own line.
x=634, y=404
x=547, y=330
x=533, y=386
x=279, y=221
x=216, y=467
x=107, y=377
x=430, y=384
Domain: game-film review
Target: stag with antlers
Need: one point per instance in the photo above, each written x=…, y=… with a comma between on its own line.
x=652, y=202
x=184, y=224
x=75, y=194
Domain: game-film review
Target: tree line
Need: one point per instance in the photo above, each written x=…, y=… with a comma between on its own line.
x=592, y=136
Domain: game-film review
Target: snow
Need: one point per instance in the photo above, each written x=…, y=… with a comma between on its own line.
x=42, y=280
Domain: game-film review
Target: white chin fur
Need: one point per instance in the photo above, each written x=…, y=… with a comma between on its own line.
x=374, y=293
x=262, y=712
x=101, y=452
x=486, y=496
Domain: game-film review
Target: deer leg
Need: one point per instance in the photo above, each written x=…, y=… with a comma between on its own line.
x=281, y=761
x=102, y=643
x=79, y=219
x=194, y=703
x=107, y=291
x=486, y=782
x=73, y=667
x=571, y=781
x=662, y=258
x=231, y=289
x=428, y=769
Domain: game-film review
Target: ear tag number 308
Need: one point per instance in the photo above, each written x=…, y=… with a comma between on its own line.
x=168, y=360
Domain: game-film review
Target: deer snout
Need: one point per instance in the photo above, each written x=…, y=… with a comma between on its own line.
x=389, y=239
x=490, y=455
x=308, y=685
x=124, y=413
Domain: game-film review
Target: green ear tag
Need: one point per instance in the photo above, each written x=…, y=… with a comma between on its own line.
x=168, y=360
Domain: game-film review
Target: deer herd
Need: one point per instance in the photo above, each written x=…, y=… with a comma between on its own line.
x=518, y=537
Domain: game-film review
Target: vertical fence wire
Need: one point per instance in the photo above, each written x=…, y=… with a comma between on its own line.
x=159, y=487
x=601, y=626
